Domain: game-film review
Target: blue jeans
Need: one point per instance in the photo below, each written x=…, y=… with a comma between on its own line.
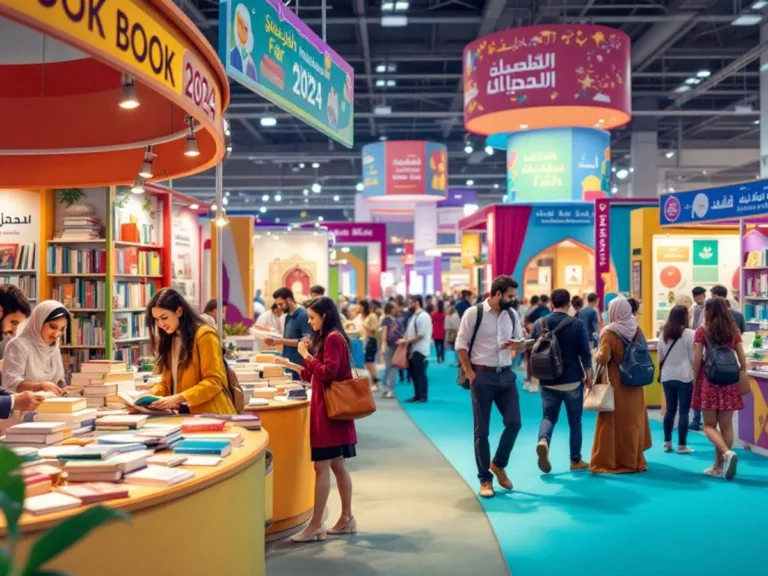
x=389, y=372
x=574, y=407
x=678, y=396
x=696, y=418
x=491, y=388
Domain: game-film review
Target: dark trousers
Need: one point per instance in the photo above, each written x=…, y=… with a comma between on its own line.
x=551, y=401
x=440, y=349
x=696, y=418
x=418, y=370
x=491, y=388
x=678, y=396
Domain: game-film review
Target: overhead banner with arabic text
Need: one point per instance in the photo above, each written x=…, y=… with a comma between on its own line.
x=723, y=203
x=547, y=76
x=267, y=49
x=405, y=170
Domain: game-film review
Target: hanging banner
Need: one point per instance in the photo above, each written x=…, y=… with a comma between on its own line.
x=722, y=203
x=602, y=247
x=564, y=215
x=266, y=48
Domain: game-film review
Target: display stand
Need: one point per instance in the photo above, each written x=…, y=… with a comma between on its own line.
x=186, y=248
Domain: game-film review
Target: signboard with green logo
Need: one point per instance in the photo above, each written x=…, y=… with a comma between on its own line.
x=266, y=48
x=705, y=253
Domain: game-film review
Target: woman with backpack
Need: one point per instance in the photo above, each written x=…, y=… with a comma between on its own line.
x=675, y=356
x=193, y=377
x=713, y=341
x=623, y=435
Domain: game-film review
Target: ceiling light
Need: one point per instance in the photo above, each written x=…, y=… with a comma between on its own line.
x=302, y=165
x=359, y=186
x=692, y=81
x=489, y=150
x=470, y=182
x=194, y=206
x=335, y=197
x=523, y=126
x=381, y=68
x=265, y=198
x=745, y=20
x=306, y=200
x=401, y=5
x=146, y=165
x=759, y=5
x=614, y=190
x=191, y=149
x=278, y=221
x=278, y=197
x=229, y=149
x=320, y=218
x=382, y=138
x=703, y=73
x=631, y=170
x=317, y=188
x=380, y=83
x=391, y=83
x=756, y=122
x=263, y=209
x=225, y=201
x=382, y=110
x=399, y=250
x=601, y=121
x=138, y=185
x=671, y=189
x=394, y=21
x=387, y=6
x=315, y=164
x=129, y=100
x=468, y=148
x=221, y=221
x=213, y=207
x=496, y=186
x=622, y=173
x=669, y=153
x=227, y=130
x=682, y=88
x=268, y=121
x=305, y=192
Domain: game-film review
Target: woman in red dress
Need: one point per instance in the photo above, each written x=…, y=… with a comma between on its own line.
x=718, y=402
x=438, y=330
x=331, y=440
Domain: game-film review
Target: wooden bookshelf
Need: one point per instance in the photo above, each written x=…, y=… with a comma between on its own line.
x=66, y=241
x=5, y=272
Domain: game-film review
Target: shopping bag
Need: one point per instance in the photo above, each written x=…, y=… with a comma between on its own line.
x=600, y=398
x=400, y=357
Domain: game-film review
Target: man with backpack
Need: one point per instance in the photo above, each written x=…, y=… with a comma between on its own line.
x=562, y=361
x=488, y=334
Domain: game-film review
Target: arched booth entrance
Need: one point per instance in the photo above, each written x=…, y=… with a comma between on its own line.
x=568, y=264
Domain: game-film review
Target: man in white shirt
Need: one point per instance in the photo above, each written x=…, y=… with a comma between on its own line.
x=491, y=378
x=418, y=335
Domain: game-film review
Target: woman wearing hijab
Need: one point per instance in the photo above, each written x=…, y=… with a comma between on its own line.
x=623, y=435
x=32, y=361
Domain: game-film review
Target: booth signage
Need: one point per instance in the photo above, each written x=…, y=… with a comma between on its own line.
x=602, y=247
x=130, y=32
x=564, y=215
x=748, y=199
x=413, y=168
x=266, y=48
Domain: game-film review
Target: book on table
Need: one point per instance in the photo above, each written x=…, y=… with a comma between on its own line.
x=190, y=425
x=92, y=492
x=61, y=405
x=159, y=476
x=169, y=460
x=204, y=447
x=50, y=503
x=36, y=433
x=72, y=418
x=103, y=366
x=127, y=422
x=90, y=452
x=203, y=460
x=234, y=438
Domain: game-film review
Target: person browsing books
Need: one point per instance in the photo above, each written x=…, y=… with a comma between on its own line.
x=296, y=326
x=188, y=358
x=332, y=441
x=488, y=370
x=32, y=361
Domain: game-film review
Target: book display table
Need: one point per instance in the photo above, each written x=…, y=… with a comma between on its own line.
x=211, y=524
x=293, y=474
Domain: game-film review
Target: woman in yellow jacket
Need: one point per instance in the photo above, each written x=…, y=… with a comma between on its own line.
x=188, y=356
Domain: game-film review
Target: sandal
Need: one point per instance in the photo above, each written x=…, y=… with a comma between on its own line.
x=714, y=472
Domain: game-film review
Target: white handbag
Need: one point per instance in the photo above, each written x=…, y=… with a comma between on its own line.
x=600, y=397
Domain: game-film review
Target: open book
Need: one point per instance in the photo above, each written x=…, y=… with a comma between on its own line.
x=137, y=400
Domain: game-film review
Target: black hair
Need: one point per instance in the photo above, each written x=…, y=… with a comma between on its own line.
x=577, y=302
x=327, y=310
x=592, y=298
x=534, y=300
x=162, y=342
x=365, y=308
x=544, y=299
x=677, y=322
x=698, y=291
x=389, y=308
x=274, y=306
x=57, y=313
x=561, y=298
x=466, y=293
x=212, y=305
x=440, y=307
x=418, y=299
x=317, y=289
x=634, y=304
x=284, y=293
x=720, y=291
x=502, y=284
x=12, y=300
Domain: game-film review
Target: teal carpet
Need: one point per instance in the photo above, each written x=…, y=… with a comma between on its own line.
x=671, y=520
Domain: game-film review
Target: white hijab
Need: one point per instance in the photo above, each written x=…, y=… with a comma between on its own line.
x=623, y=322
x=28, y=357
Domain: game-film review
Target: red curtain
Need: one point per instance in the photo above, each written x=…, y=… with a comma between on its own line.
x=507, y=227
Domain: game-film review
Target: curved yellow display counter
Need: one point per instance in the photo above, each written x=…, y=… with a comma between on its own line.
x=212, y=524
x=293, y=476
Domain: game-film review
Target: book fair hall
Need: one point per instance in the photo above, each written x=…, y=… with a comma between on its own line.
x=383, y=287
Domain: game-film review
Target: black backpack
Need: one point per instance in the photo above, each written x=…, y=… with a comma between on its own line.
x=636, y=369
x=721, y=365
x=546, y=359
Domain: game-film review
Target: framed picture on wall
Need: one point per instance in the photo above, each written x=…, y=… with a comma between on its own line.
x=574, y=275
x=8, y=256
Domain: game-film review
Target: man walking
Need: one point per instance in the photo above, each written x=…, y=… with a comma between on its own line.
x=488, y=334
x=591, y=319
x=418, y=336
x=568, y=388
x=463, y=304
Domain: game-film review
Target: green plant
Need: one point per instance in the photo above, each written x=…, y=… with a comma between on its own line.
x=69, y=196
x=238, y=329
x=53, y=541
x=121, y=201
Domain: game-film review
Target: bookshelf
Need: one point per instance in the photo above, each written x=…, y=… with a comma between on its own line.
x=20, y=236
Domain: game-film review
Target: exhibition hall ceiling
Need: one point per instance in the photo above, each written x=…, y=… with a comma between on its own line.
x=695, y=81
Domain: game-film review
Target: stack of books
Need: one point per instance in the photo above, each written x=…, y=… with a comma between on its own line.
x=80, y=422
x=101, y=379
x=36, y=434
x=159, y=476
x=93, y=492
x=110, y=469
x=81, y=228
x=121, y=422
x=204, y=447
x=152, y=437
x=192, y=425
x=50, y=503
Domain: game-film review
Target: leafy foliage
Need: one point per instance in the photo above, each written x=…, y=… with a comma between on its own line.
x=69, y=196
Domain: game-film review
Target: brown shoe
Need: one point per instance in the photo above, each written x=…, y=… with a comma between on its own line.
x=501, y=476
x=486, y=489
x=542, y=450
x=579, y=466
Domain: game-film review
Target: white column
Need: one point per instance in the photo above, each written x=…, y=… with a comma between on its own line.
x=424, y=228
x=645, y=165
x=362, y=212
x=764, y=104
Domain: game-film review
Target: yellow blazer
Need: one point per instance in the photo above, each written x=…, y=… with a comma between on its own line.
x=203, y=382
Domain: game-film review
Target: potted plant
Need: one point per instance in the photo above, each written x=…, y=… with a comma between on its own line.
x=52, y=542
x=69, y=196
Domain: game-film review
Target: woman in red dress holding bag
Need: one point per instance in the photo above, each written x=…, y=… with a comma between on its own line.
x=332, y=441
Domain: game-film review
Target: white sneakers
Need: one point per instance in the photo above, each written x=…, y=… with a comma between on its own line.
x=730, y=463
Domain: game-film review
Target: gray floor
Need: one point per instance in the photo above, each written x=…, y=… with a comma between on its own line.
x=416, y=516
